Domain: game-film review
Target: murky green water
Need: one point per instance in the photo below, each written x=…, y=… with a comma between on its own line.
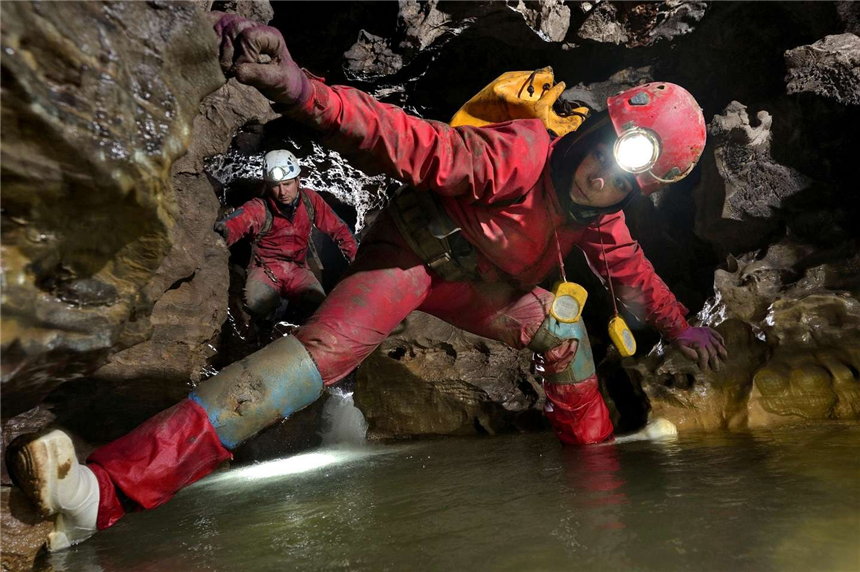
x=774, y=500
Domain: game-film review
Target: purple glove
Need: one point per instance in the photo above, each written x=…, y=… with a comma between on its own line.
x=243, y=42
x=704, y=345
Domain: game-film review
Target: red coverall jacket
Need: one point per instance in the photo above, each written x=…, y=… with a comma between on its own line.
x=288, y=240
x=496, y=186
x=495, y=183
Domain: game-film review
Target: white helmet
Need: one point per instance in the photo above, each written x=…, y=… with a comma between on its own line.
x=280, y=165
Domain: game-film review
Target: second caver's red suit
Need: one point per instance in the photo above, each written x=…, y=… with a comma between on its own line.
x=278, y=266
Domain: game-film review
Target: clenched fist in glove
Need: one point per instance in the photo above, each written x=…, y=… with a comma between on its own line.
x=257, y=55
x=704, y=345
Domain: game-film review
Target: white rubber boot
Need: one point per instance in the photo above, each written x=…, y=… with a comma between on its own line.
x=660, y=429
x=47, y=470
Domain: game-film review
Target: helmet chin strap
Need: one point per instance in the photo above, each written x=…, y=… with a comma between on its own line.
x=567, y=156
x=586, y=215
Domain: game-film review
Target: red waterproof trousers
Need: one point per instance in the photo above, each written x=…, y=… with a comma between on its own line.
x=496, y=186
x=295, y=282
x=385, y=284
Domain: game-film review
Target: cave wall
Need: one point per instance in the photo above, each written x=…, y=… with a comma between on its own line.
x=774, y=80
x=95, y=109
x=122, y=143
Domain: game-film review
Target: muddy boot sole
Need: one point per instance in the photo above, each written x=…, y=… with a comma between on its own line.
x=34, y=460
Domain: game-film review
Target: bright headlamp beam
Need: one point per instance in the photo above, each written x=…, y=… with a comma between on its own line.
x=636, y=151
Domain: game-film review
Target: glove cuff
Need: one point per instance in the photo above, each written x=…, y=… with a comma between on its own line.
x=674, y=331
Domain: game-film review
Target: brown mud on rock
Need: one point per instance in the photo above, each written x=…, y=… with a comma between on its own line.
x=23, y=531
x=814, y=369
x=692, y=399
x=95, y=109
x=430, y=378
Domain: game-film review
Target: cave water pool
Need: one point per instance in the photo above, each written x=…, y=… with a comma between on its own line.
x=781, y=499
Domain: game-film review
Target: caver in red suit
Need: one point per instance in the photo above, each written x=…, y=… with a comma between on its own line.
x=505, y=201
x=279, y=226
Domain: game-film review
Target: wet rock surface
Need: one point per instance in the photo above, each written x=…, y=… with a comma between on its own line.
x=635, y=24
x=757, y=240
x=190, y=286
x=743, y=186
x=24, y=532
x=550, y=20
x=371, y=57
x=829, y=67
x=430, y=378
x=95, y=109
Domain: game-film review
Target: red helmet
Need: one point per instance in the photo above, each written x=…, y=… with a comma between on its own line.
x=661, y=133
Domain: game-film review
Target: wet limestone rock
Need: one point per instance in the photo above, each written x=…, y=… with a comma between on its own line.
x=693, y=399
x=814, y=369
x=742, y=187
x=793, y=337
x=602, y=25
x=829, y=68
x=634, y=24
x=24, y=532
x=550, y=19
x=371, y=57
x=428, y=26
x=96, y=106
x=430, y=378
x=190, y=287
x=422, y=23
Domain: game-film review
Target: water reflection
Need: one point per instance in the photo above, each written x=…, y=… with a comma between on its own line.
x=779, y=500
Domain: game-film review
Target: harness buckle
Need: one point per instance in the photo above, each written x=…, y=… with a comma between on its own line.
x=443, y=258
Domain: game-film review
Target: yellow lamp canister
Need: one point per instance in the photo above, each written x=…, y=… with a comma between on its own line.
x=568, y=302
x=622, y=337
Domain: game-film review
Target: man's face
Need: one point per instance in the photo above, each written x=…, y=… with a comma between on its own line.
x=598, y=181
x=284, y=192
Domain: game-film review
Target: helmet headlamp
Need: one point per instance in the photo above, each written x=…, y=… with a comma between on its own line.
x=279, y=174
x=637, y=150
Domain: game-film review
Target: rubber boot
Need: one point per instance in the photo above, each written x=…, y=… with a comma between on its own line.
x=659, y=429
x=47, y=470
x=188, y=441
x=577, y=412
x=143, y=469
x=265, y=387
x=175, y=448
x=574, y=406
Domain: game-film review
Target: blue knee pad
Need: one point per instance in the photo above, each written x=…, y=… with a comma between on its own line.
x=552, y=334
x=269, y=385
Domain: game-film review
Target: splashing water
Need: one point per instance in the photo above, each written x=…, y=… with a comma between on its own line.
x=343, y=422
x=231, y=166
x=323, y=171
x=332, y=174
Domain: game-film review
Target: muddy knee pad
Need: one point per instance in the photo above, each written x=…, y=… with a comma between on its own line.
x=261, y=299
x=269, y=385
x=552, y=335
x=310, y=300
